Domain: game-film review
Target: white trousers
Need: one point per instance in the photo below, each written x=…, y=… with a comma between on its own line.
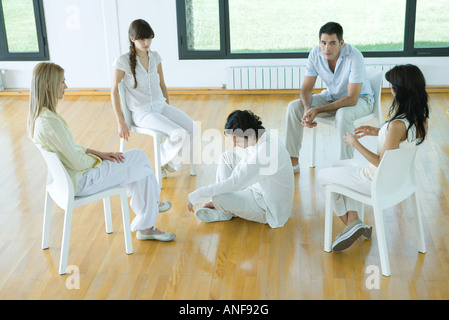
x=137, y=176
x=346, y=173
x=246, y=204
x=344, y=122
x=178, y=127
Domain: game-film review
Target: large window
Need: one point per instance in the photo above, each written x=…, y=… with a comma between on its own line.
x=22, y=30
x=432, y=24
x=226, y=29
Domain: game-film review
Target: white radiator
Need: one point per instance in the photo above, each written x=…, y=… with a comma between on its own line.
x=277, y=77
x=2, y=71
x=384, y=68
x=265, y=78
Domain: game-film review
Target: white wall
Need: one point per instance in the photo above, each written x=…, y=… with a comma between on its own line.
x=85, y=36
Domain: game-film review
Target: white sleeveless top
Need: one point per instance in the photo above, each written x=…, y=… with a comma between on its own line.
x=370, y=170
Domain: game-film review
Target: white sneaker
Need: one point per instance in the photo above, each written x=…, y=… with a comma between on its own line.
x=368, y=231
x=164, y=169
x=348, y=236
x=212, y=215
x=170, y=169
x=159, y=237
x=165, y=206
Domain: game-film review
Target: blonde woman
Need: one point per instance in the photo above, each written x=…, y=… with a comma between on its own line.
x=147, y=97
x=90, y=170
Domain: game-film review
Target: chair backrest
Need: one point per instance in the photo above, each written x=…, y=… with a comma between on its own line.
x=59, y=184
x=394, y=180
x=375, y=79
x=126, y=112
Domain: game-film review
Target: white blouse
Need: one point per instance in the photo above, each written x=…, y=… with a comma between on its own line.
x=148, y=95
x=267, y=170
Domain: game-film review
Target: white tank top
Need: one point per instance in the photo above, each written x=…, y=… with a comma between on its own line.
x=370, y=170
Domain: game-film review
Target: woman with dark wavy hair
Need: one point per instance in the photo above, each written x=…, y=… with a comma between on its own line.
x=407, y=127
x=147, y=96
x=255, y=184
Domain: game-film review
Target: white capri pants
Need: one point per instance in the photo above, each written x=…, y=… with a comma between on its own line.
x=177, y=125
x=348, y=174
x=137, y=176
x=247, y=203
x=344, y=122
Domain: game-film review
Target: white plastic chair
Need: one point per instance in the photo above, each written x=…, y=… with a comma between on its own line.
x=60, y=190
x=393, y=182
x=375, y=78
x=157, y=136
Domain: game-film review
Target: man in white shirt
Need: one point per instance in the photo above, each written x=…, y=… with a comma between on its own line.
x=348, y=96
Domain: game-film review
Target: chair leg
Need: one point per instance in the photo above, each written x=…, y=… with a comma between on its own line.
x=157, y=160
x=313, y=151
x=381, y=240
x=126, y=224
x=47, y=218
x=122, y=144
x=192, y=165
x=65, y=245
x=419, y=224
x=107, y=214
x=328, y=223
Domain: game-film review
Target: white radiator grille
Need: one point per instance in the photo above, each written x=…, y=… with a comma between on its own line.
x=2, y=71
x=278, y=77
x=384, y=68
x=268, y=78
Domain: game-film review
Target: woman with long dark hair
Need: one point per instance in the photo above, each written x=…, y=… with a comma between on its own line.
x=147, y=96
x=255, y=185
x=406, y=128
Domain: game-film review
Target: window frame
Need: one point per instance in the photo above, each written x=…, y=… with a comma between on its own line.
x=42, y=54
x=225, y=53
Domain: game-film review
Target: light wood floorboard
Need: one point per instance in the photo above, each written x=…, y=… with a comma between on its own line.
x=236, y=259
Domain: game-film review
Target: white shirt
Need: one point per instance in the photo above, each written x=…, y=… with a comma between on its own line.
x=350, y=68
x=148, y=95
x=266, y=169
x=370, y=170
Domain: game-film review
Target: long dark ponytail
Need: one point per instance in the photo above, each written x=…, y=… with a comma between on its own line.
x=411, y=100
x=138, y=29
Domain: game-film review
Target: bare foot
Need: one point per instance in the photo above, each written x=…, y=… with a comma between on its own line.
x=209, y=205
x=294, y=161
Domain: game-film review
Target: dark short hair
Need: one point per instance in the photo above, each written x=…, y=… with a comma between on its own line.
x=243, y=123
x=332, y=28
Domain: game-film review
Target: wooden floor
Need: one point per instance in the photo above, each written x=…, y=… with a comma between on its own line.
x=236, y=259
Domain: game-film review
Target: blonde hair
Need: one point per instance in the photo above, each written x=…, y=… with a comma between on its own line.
x=44, y=92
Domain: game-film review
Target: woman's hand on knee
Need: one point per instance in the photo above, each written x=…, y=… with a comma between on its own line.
x=112, y=156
